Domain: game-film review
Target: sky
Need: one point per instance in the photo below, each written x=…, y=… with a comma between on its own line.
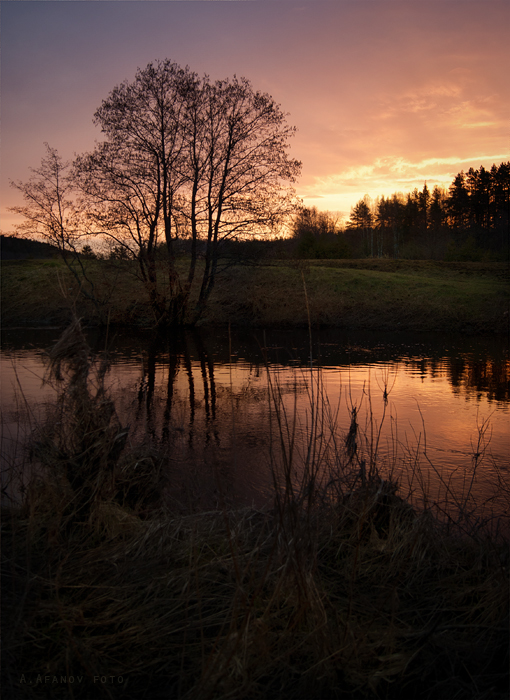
x=386, y=94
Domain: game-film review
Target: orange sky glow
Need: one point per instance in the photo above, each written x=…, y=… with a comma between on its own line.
x=386, y=94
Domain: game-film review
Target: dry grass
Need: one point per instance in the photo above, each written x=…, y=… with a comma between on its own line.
x=339, y=587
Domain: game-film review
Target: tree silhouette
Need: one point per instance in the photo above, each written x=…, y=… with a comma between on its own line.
x=183, y=153
x=131, y=180
x=389, y=221
x=361, y=220
x=458, y=203
x=469, y=221
x=318, y=235
x=51, y=213
x=49, y=208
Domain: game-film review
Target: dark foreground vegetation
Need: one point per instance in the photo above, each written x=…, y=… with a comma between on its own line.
x=347, y=584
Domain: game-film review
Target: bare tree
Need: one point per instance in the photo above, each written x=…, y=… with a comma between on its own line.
x=240, y=169
x=317, y=234
x=131, y=180
x=49, y=208
x=184, y=153
x=51, y=213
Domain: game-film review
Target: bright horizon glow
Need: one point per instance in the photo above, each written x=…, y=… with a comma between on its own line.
x=375, y=180
x=385, y=95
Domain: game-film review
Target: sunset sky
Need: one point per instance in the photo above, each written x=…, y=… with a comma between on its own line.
x=386, y=94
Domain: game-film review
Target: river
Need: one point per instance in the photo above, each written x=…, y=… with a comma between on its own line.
x=432, y=409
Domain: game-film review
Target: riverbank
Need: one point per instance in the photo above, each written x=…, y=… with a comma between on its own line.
x=365, y=294
x=344, y=584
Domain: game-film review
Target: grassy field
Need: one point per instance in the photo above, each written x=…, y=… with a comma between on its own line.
x=338, y=588
x=376, y=294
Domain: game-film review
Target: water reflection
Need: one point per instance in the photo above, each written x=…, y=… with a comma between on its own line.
x=205, y=395
x=487, y=376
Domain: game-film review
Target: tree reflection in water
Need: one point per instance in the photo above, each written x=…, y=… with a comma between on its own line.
x=204, y=395
x=175, y=355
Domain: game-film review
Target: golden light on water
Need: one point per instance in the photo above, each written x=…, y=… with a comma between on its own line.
x=438, y=414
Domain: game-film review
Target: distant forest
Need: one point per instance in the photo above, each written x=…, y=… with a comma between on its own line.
x=469, y=221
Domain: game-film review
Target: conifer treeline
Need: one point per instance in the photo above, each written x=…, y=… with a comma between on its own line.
x=469, y=221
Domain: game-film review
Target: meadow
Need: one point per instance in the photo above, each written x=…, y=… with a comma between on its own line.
x=376, y=294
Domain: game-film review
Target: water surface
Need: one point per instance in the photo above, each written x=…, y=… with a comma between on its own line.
x=211, y=398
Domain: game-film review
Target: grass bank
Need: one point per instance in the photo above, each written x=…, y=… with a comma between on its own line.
x=339, y=587
x=374, y=294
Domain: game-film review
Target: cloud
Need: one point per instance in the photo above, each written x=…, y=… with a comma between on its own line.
x=401, y=165
x=430, y=96
x=390, y=174
x=384, y=94
x=479, y=125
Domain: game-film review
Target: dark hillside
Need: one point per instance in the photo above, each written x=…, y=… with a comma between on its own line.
x=13, y=248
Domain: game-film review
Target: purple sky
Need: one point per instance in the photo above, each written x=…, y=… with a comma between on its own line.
x=386, y=94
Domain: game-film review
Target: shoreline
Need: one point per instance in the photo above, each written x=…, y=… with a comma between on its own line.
x=41, y=326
